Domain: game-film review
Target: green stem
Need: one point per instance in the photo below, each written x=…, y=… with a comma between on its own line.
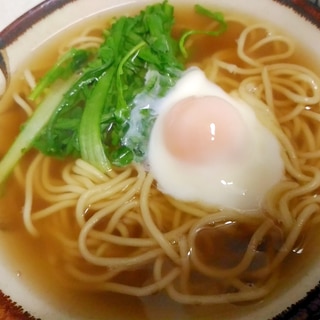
x=32, y=128
x=216, y=16
x=91, y=146
x=121, y=103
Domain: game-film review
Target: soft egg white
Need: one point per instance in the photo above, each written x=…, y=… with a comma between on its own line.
x=209, y=147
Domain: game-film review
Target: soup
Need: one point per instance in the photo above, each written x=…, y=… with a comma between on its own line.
x=120, y=236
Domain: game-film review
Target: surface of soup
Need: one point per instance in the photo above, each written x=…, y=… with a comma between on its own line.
x=45, y=251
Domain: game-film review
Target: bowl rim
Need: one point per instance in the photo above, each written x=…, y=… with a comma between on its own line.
x=32, y=16
x=310, y=10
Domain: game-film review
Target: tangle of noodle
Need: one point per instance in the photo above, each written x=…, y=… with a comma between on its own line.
x=107, y=227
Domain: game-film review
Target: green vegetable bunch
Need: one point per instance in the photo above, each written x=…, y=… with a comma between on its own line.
x=88, y=96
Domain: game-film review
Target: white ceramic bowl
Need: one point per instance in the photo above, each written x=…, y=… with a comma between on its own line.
x=30, y=32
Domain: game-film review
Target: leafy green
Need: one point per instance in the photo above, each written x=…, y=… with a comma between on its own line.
x=60, y=136
x=31, y=128
x=91, y=99
x=132, y=46
x=66, y=66
x=91, y=146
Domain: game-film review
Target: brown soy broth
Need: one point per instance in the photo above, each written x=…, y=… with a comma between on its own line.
x=25, y=253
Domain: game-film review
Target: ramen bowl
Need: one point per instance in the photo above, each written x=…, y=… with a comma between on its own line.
x=28, y=290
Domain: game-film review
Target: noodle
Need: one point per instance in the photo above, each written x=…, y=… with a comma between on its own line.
x=107, y=226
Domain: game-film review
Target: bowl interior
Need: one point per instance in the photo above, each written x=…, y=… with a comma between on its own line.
x=44, y=26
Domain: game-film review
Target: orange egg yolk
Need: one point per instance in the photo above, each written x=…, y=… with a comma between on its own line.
x=202, y=129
